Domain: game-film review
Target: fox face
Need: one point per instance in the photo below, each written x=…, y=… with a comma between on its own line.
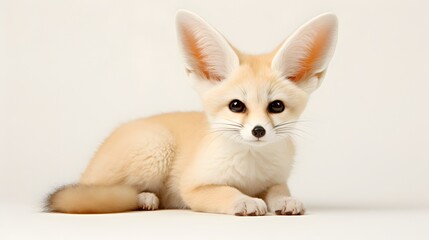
x=255, y=99
x=254, y=107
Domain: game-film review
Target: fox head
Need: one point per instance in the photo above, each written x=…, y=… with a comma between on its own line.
x=255, y=99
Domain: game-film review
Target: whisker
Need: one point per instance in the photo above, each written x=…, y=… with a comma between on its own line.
x=289, y=134
x=218, y=134
x=289, y=123
x=228, y=124
x=236, y=123
x=291, y=129
x=286, y=130
x=223, y=131
x=226, y=129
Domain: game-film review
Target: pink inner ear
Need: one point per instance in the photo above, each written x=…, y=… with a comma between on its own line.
x=314, y=54
x=191, y=45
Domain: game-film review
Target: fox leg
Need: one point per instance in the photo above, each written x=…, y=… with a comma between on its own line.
x=223, y=199
x=279, y=201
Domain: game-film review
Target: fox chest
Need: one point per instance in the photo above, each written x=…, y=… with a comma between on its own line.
x=249, y=171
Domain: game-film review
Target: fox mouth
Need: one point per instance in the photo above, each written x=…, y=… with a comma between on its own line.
x=255, y=142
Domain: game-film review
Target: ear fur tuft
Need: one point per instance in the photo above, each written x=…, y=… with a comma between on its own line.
x=304, y=57
x=207, y=53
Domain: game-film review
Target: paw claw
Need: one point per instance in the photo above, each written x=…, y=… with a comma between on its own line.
x=287, y=206
x=250, y=207
x=148, y=201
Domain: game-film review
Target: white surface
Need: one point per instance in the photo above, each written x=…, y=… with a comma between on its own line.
x=319, y=223
x=70, y=71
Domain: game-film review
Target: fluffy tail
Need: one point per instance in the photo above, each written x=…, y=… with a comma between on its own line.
x=93, y=199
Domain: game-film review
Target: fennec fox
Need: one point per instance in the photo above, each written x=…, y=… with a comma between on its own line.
x=233, y=158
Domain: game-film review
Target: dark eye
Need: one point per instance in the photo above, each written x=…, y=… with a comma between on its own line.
x=237, y=106
x=276, y=106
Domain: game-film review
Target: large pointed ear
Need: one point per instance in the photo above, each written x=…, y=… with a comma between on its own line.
x=303, y=58
x=209, y=58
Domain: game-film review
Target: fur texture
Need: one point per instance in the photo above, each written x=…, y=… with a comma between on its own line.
x=212, y=161
x=93, y=199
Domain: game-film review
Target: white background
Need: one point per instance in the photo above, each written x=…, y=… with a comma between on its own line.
x=71, y=71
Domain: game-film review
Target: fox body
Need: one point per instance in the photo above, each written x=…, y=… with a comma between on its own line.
x=233, y=158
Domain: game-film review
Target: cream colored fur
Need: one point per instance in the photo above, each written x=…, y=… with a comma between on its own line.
x=210, y=161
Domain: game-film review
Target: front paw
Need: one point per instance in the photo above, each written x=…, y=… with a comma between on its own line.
x=287, y=206
x=248, y=206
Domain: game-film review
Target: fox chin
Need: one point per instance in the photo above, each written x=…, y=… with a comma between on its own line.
x=233, y=158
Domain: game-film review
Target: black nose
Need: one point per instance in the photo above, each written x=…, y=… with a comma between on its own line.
x=258, y=131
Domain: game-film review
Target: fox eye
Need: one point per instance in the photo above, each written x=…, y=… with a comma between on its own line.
x=237, y=106
x=276, y=106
